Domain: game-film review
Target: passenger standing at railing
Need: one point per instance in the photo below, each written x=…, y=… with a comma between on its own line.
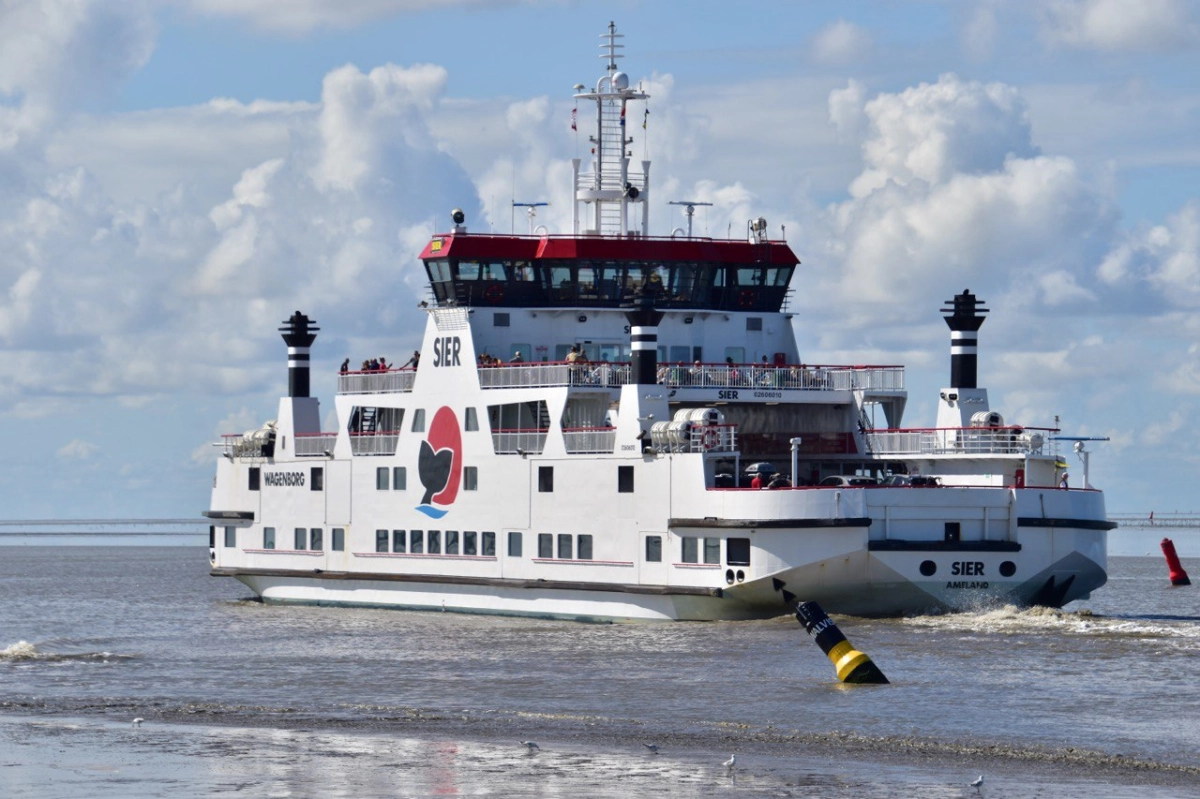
x=517, y=357
x=345, y=366
x=697, y=374
x=414, y=360
x=1063, y=482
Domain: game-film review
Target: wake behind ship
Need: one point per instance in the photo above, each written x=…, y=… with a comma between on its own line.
x=610, y=425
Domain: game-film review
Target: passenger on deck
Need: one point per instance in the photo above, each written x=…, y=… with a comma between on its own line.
x=383, y=365
x=345, y=366
x=517, y=357
x=779, y=481
x=1063, y=482
x=414, y=360
x=756, y=481
x=697, y=376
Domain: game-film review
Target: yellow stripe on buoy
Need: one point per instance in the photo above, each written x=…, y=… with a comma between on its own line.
x=851, y=665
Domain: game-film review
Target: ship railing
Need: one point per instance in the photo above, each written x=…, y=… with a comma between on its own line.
x=690, y=437
x=1009, y=440
x=246, y=445
x=519, y=441
x=377, y=382
x=795, y=376
x=583, y=440
x=382, y=442
x=556, y=373
x=315, y=443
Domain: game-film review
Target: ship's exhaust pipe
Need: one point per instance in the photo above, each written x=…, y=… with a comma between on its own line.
x=299, y=333
x=852, y=666
x=643, y=340
x=965, y=317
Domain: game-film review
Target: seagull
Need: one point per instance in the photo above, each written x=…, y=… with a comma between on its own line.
x=531, y=746
x=138, y=721
x=652, y=747
x=977, y=782
x=730, y=763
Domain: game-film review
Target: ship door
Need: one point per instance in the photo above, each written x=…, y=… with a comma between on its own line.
x=654, y=559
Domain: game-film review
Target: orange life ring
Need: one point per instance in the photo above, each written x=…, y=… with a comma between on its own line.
x=493, y=293
x=710, y=437
x=746, y=298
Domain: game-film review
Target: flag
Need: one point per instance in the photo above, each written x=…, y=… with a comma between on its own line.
x=645, y=118
x=574, y=111
x=622, y=115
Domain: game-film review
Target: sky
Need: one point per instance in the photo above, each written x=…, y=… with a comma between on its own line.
x=178, y=176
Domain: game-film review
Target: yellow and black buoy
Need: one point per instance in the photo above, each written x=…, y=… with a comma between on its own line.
x=852, y=666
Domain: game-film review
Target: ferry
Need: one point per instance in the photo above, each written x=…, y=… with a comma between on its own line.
x=611, y=425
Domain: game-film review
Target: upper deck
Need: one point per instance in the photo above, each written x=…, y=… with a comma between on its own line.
x=608, y=272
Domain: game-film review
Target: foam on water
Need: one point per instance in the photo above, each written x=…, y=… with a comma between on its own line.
x=1013, y=620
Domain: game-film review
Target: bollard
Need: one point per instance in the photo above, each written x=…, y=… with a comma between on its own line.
x=851, y=665
x=1174, y=567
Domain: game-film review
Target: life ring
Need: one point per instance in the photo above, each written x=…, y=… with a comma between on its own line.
x=710, y=437
x=494, y=293
x=746, y=298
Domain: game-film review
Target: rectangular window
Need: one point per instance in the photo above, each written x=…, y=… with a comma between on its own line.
x=514, y=545
x=399, y=537
x=301, y=539
x=381, y=478
x=564, y=546
x=624, y=479
x=470, y=541
x=654, y=549
x=754, y=323
x=318, y=478
x=317, y=539
x=212, y=536
x=489, y=545
x=737, y=551
x=470, y=478
x=418, y=425
x=381, y=540
x=339, y=539
x=452, y=542
x=545, y=545
x=399, y=478
x=585, y=547
x=231, y=536
x=255, y=478
x=268, y=538
x=712, y=550
x=500, y=320
x=545, y=478
x=691, y=549
x=471, y=422
x=433, y=542
x=416, y=542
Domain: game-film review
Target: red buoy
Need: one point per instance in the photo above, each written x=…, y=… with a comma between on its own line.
x=1178, y=575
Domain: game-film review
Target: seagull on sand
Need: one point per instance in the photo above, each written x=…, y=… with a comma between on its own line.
x=730, y=763
x=138, y=721
x=652, y=747
x=977, y=782
x=531, y=746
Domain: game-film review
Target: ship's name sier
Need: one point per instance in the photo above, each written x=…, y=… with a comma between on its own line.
x=446, y=350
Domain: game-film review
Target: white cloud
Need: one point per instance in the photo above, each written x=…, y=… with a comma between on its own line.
x=1150, y=26
x=981, y=31
x=77, y=450
x=1164, y=257
x=841, y=42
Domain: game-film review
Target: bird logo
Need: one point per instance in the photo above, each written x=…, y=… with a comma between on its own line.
x=439, y=464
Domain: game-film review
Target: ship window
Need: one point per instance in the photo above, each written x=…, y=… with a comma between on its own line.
x=301, y=541
x=399, y=478
x=545, y=479
x=398, y=540
x=500, y=320
x=545, y=545
x=712, y=550
x=268, y=538
x=231, y=536
x=212, y=536
x=418, y=425
x=318, y=478
x=316, y=542
x=469, y=542
x=690, y=549
x=416, y=542
x=754, y=323
x=737, y=551
x=452, y=542
x=254, y=477
x=564, y=546
x=381, y=478
x=470, y=478
x=585, y=547
x=514, y=544
x=735, y=354
x=471, y=421
x=339, y=539
x=433, y=542
x=654, y=549
x=680, y=354
x=381, y=540
x=489, y=545
x=624, y=479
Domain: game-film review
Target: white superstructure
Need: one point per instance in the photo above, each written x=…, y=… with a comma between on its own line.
x=580, y=435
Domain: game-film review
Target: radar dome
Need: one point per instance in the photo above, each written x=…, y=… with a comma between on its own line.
x=620, y=82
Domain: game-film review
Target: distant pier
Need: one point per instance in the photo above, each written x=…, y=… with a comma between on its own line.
x=1189, y=520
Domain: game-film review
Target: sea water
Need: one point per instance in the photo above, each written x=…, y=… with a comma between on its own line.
x=242, y=699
